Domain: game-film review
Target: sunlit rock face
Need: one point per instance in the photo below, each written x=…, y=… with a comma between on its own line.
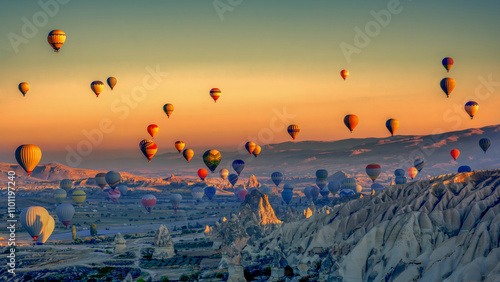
x=163, y=244
x=446, y=228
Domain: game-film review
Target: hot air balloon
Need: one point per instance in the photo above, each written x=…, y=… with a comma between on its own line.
x=179, y=145
x=66, y=184
x=114, y=195
x=324, y=192
x=113, y=178
x=392, y=125
x=24, y=87
x=412, y=172
x=400, y=179
x=65, y=213
x=175, y=199
x=344, y=74
x=373, y=171
x=287, y=193
x=348, y=183
x=100, y=179
x=79, y=197
x=351, y=121
x=111, y=82
x=293, y=130
x=28, y=157
x=464, y=168
x=215, y=94
x=242, y=194
x=46, y=231
x=168, y=109
x=224, y=173
x=334, y=187
x=210, y=192
x=266, y=190
x=188, y=154
x=148, y=201
x=471, y=108
x=153, y=130
x=97, y=86
x=314, y=193
x=447, y=84
x=346, y=192
x=322, y=174
x=56, y=39
x=60, y=195
x=212, y=159
x=399, y=172
x=33, y=220
x=359, y=188
x=233, y=178
x=447, y=63
x=123, y=189
x=454, y=154
x=419, y=164
x=307, y=192
x=277, y=177
x=320, y=183
x=377, y=187
x=250, y=146
x=238, y=166
x=202, y=173
x=257, y=150
x=148, y=148
x=484, y=143
x=197, y=193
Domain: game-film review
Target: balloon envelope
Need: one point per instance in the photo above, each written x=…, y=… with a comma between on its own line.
x=321, y=174
x=454, y=154
x=349, y=183
x=257, y=150
x=33, y=219
x=307, y=192
x=471, y=108
x=447, y=84
x=28, y=156
x=212, y=159
x=168, y=109
x=351, y=121
x=250, y=147
x=60, y=195
x=197, y=193
x=46, y=231
x=24, y=87
x=484, y=143
x=412, y=172
x=320, y=183
x=242, y=194
x=314, y=193
x=112, y=82
x=123, y=189
x=148, y=202
x=148, y=148
x=334, y=186
x=202, y=173
x=419, y=164
x=392, y=125
x=175, y=199
x=293, y=130
x=464, y=168
x=224, y=173
x=66, y=184
x=344, y=74
x=114, y=195
x=100, y=179
x=97, y=86
x=287, y=195
x=179, y=145
x=188, y=154
x=233, y=178
x=215, y=93
x=56, y=39
x=65, y=213
x=277, y=177
x=153, y=130
x=210, y=192
x=324, y=192
x=373, y=171
x=113, y=178
x=399, y=172
x=447, y=63
x=238, y=166
x=79, y=197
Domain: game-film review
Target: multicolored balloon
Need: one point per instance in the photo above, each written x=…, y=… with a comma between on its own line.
x=233, y=179
x=454, y=154
x=250, y=147
x=65, y=213
x=28, y=156
x=148, y=202
x=351, y=121
x=293, y=130
x=202, y=173
x=419, y=164
x=188, y=154
x=344, y=74
x=112, y=82
x=24, y=87
x=392, y=125
x=257, y=150
x=113, y=178
x=56, y=39
x=212, y=159
x=114, y=195
x=238, y=166
x=153, y=130
x=215, y=94
x=471, y=108
x=447, y=63
x=179, y=145
x=484, y=143
x=97, y=86
x=168, y=109
x=373, y=171
x=447, y=84
x=412, y=172
x=148, y=148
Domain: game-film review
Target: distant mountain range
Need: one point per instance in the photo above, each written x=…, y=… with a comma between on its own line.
x=303, y=158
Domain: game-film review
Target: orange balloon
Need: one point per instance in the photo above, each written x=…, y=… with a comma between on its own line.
x=24, y=87
x=153, y=129
x=56, y=39
x=97, y=86
x=351, y=121
x=188, y=154
x=179, y=145
x=250, y=146
x=412, y=172
x=293, y=130
x=344, y=74
x=215, y=94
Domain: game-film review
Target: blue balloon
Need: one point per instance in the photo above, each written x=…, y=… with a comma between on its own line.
x=346, y=192
x=334, y=187
x=238, y=166
x=464, y=168
x=277, y=177
x=287, y=195
x=484, y=143
x=324, y=193
x=321, y=174
x=233, y=178
x=400, y=180
x=210, y=192
x=377, y=187
x=400, y=172
x=314, y=193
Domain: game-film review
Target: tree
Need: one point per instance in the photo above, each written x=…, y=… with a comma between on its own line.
x=74, y=232
x=93, y=229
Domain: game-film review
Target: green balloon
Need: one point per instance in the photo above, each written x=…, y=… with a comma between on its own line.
x=212, y=159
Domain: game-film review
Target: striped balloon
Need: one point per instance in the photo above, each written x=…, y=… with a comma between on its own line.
x=418, y=164
x=114, y=195
x=349, y=183
x=168, y=109
x=100, y=179
x=60, y=195
x=56, y=39
x=66, y=184
x=215, y=94
x=321, y=174
x=293, y=130
x=471, y=108
x=447, y=84
x=28, y=156
x=79, y=197
x=233, y=179
x=148, y=148
x=148, y=201
x=392, y=125
x=97, y=86
x=277, y=177
x=33, y=219
x=447, y=63
x=46, y=231
x=373, y=171
x=113, y=178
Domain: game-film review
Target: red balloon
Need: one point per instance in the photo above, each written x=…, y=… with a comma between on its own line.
x=242, y=194
x=202, y=173
x=454, y=154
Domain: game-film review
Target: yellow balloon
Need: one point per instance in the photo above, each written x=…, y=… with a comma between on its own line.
x=188, y=154
x=97, y=86
x=46, y=231
x=33, y=220
x=28, y=156
x=79, y=197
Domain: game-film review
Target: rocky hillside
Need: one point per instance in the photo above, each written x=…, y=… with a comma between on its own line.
x=446, y=228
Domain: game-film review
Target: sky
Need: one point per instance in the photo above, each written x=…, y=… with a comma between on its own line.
x=276, y=63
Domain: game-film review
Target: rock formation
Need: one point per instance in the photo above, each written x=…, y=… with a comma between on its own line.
x=120, y=243
x=252, y=182
x=163, y=244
